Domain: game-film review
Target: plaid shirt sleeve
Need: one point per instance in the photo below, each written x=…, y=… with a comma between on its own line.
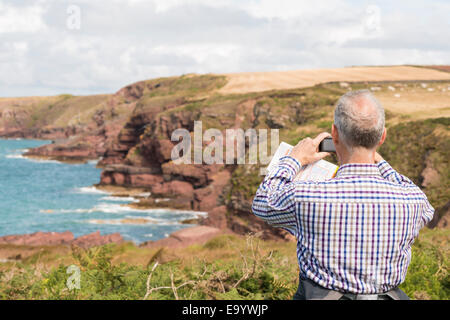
x=388, y=173
x=275, y=199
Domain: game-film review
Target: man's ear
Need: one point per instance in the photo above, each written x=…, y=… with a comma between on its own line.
x=334, y=134
x=383, y=137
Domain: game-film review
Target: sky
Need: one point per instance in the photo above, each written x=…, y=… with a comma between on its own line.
x=50, y=47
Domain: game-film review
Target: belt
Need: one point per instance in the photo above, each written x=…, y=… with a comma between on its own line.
x=309, y=290
x=390, y=295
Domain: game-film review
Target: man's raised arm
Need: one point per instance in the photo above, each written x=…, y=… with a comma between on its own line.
x=388, y=173
x=275, y=199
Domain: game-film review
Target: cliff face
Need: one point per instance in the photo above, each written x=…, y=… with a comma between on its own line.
x=140, y=155
x=81, y=127
x=131, y=132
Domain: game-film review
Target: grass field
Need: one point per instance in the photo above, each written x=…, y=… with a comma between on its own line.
x=226, y=267
x=277, y=80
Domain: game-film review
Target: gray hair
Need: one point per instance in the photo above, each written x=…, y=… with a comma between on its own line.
x=359, y=128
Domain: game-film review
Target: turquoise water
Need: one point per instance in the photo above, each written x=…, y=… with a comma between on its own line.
x=46, y=195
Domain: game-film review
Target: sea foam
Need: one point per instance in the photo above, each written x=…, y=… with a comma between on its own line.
x=115, y=208
x=119, y=199
x=90, y=190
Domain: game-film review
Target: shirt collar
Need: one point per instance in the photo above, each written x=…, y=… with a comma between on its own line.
x=358, y=169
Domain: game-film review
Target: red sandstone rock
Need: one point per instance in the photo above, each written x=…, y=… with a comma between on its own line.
x=165, y=149
x=217, y=218
x=145, y=180
x=429, y=174
x=119, y=178
x=186, y=237
x=105, y=178
x=196, y=174
x=127, y=135
x=95, y=239
x=174, y=188
x=39, y=238
x=207, y=198
x=120, y=147
x=59, y=238
x=133, y=91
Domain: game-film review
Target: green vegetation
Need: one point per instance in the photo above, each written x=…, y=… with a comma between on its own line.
x=63, y=110
x=423, y=144
x=428, y=274
x=226, y=267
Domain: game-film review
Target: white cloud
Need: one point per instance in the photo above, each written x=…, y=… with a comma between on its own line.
x=293, y=9
x=21, y=19
x=123, y=41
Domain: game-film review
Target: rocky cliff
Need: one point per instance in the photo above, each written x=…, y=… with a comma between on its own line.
x=131, y=132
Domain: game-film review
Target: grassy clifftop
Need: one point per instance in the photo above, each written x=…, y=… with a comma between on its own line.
x=27, y=114
x=421, y=151
x=226, y=267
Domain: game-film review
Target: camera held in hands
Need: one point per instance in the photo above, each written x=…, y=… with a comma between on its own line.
x=327, y=145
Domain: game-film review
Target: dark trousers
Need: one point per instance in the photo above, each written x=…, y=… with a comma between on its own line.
x=309, y=290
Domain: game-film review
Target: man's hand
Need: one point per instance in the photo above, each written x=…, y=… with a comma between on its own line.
x=306, y=151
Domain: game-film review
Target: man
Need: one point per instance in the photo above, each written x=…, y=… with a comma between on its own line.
x=354, y=232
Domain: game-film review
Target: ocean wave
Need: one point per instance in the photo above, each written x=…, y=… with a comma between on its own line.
x=56, y=211
x=121, y=199
x=38, y=160
x=144, y=194
x=90, y=190
x=151, y=219
x=161, y=200
x=15, y=156
x=94, y=162
x=119, y=208
x=158, y=215
x=189, y=212
x=113, y=208
x=137, y=221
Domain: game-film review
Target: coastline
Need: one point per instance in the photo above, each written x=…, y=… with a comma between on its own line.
x=131, y=131
x=137, y=198
x=66, y=160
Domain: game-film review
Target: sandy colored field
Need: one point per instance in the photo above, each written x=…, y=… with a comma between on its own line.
x=418, y=103
x=262, y=81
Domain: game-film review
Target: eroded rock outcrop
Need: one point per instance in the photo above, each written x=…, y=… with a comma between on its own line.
x=39, y=238
x=185, y=237
x=96, y=239
x=61, y=238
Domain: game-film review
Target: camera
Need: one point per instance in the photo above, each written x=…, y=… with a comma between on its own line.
x=327, y=145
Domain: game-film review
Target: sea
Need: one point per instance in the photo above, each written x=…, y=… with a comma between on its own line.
x=51, y=196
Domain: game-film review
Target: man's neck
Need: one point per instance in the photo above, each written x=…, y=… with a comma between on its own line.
x=359, y=156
